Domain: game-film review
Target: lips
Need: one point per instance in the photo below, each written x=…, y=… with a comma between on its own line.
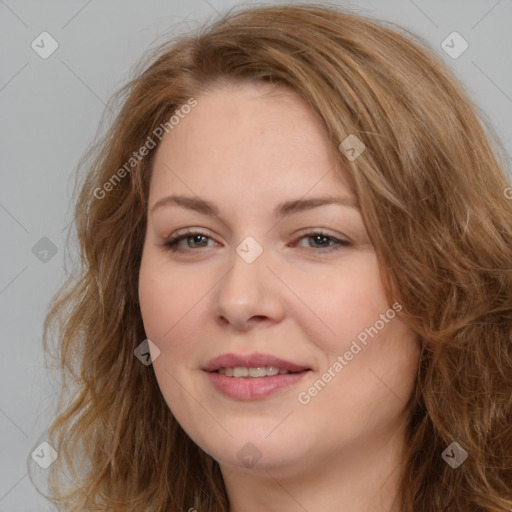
x=252, y=361
x=227, y=375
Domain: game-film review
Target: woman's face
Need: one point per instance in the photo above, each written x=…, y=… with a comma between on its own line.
x=275, y=273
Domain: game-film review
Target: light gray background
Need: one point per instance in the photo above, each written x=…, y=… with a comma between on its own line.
x=50, y=110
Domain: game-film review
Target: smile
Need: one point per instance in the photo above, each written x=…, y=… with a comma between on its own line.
x=256, y=386
x=252, y=373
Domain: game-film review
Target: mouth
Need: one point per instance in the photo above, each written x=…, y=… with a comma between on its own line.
x=253, y=373
x=252, y=365
x=253, y=376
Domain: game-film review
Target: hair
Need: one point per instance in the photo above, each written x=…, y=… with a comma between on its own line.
x=432, y=187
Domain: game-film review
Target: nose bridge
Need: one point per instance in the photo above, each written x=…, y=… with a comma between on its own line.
x=249, y=288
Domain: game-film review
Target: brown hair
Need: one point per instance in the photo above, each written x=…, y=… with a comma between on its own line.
x=431, y=184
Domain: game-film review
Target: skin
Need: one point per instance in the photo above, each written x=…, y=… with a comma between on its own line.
x=247, y=148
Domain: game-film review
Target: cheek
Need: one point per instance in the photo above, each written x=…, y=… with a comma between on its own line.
x=174, y=307
x=338, y=304
x=170, y=301
x=168, y=296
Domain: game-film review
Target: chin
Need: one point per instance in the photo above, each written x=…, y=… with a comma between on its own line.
x=255, y=450
x=251, y=458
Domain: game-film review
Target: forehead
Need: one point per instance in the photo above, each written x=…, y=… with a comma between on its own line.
x=251, y=137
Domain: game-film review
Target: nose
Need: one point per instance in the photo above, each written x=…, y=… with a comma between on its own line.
x=248, y=295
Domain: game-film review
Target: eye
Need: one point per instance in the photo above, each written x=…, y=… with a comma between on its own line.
x=193, y=240
x=323, y=241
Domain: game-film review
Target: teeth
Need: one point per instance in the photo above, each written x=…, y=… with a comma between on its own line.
x=240, y=372
x=260, y=371
x=274, y=370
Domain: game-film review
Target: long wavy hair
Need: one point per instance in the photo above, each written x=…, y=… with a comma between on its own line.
x=432, y=184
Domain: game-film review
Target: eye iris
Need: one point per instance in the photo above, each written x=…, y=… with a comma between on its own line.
x=319, y=239
x=197, y=239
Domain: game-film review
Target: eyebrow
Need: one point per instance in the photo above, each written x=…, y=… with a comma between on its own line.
x=283, y=209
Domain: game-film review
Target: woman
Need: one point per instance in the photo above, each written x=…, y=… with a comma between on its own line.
x=296, y=283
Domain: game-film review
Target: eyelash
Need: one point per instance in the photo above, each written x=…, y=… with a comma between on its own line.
x=172, y=243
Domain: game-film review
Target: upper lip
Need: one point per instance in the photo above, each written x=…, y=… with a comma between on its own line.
x=251, y=361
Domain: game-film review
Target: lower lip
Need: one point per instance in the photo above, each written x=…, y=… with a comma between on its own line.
x=253, y=388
